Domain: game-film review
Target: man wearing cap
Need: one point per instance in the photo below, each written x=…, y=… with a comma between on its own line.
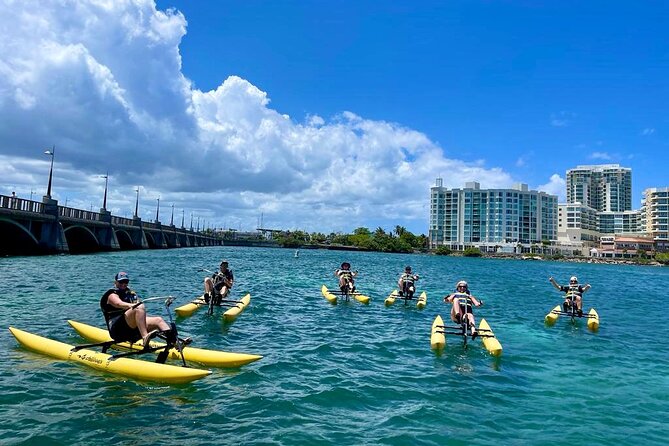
x=219, y=284
x=126, y=316
x=573, y=290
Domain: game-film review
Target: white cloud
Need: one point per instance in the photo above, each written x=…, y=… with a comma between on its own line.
x=103, y=82
x=647, y=131
x=555, y=186
x=562, y=119
x=600, y=156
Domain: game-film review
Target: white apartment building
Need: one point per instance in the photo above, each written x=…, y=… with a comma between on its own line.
x=655, y=216
x=604, y=187
x=490, y=218
x=577, y=225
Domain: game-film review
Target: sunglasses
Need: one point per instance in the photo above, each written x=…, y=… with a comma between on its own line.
x=125, y=282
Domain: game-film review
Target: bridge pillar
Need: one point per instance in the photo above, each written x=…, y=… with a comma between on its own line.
x=106, y=235
x=161, y=239
x=52, y=236
x=138, y=236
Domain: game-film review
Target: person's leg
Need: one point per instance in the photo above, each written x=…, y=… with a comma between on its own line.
x=472, y=325
x=156, y=322
x=455, y=311
x=208, y=286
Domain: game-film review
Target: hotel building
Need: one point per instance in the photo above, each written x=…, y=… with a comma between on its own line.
x=490, y=218
x=605, y=187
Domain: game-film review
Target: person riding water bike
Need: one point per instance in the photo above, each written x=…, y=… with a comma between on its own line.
x=346, y=278
x=462, y=301
x=125, y=315
x=574, y=291
x=406, y=282
x=219, y=284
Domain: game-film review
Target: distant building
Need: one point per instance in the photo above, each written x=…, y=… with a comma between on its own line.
x=622, y=246
x=604, y=187
x=625, y=222
x=491, y=218
x=654, y=218
x=577, y=225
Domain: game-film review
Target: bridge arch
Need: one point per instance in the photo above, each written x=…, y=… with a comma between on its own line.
x=151, y=240
x=124, y=240
x=16, y=239
x=80, y=240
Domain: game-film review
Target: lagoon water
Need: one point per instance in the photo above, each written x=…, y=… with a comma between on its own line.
x=348, y=374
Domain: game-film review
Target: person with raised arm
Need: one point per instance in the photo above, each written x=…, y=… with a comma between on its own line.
x=573, y=291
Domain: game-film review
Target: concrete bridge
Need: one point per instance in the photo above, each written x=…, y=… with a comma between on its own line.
x=31, y=227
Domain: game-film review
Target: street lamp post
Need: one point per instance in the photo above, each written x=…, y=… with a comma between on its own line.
x=51, y=153
x=137, y=203
x=157, y=208
x=104, y=200
x=172, y=218
x=183, y=213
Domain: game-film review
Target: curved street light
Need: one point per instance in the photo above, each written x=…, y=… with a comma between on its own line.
x=104, y=200
x=51, y=153
x=137, y=202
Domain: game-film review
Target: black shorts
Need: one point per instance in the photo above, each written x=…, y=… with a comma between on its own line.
x=468, y=309
x=119, y=330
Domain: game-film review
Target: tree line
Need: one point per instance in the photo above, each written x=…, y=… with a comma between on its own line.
x=398, y=240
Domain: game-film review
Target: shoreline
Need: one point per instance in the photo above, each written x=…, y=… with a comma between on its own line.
x=598, y=260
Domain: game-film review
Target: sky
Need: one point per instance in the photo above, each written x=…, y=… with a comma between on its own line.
x=324, y=116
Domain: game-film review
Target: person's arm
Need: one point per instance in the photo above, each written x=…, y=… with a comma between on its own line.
x=336, y=273
x=475, y=301
x=115, y=301
x=449, y=298
x=354, y=273
x=586, y=287
x=555, y=284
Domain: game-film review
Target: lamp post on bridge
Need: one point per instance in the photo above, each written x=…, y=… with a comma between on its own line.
x=51, y=153
x=137, y=203
x=104, y=200
x=183, y=213
x=172, y=218
x=157, y=208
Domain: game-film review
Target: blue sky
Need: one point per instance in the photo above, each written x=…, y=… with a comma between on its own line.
x=494, y=91
x=533, y=87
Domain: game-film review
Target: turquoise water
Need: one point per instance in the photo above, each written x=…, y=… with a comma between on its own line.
x=346, y=374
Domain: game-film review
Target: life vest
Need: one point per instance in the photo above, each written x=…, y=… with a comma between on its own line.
x=408, y=277
x=345, y=274
x=575, y=290
x=219, y=278
x=109, y=311
x=466, y=296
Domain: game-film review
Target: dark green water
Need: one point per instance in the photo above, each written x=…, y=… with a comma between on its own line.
x=346, y=374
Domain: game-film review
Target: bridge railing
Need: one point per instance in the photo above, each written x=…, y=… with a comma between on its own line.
x=78, y=214
x=121, y=221
x=20, y=204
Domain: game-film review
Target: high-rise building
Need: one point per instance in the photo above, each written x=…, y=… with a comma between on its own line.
x=655, y=216
x=604, y=187
x=476, y=217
